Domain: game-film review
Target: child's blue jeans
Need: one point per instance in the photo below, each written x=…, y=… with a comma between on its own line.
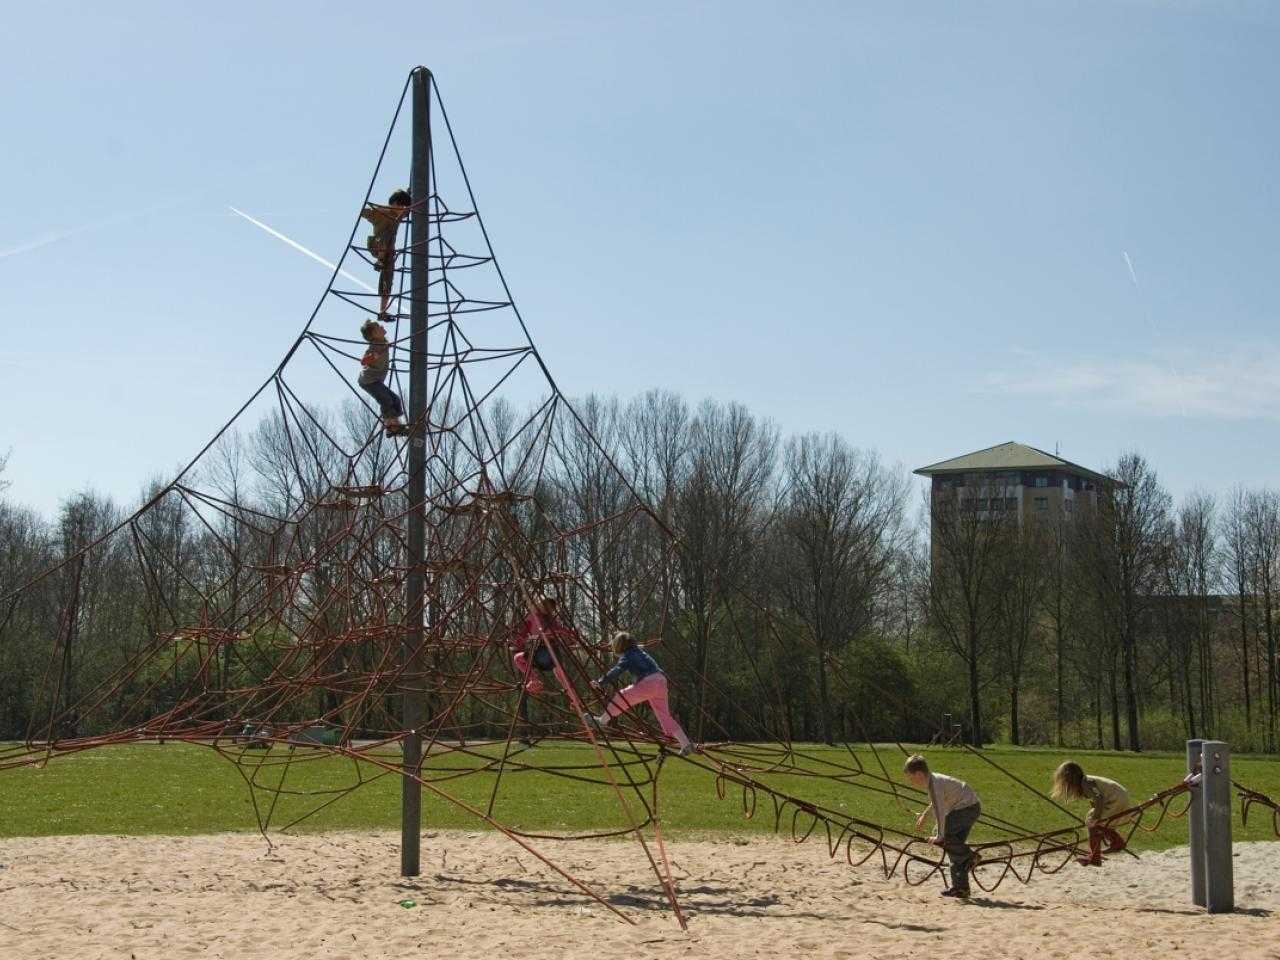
x=388, y=401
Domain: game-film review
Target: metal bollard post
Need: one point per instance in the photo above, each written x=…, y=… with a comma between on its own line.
x=1215, y=803
x=1195, y=825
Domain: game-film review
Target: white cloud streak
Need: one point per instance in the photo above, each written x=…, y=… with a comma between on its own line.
x=47, y=239
x=1235, y=385
x=301, y=249
x=57, y=236
x=1129, y=263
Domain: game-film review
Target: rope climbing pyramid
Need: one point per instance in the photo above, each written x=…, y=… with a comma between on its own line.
x=427, y=579
x=369, y=579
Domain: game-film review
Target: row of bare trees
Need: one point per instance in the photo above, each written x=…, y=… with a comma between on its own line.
x=798, y=585
x=1131, y=622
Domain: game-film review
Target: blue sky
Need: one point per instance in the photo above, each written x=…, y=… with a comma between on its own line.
x=904, y=222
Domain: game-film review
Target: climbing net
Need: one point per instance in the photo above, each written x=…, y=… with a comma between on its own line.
x=265, y=608
x=1251, y=798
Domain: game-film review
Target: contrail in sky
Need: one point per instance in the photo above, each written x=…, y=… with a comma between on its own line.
x=301, y=249
x=1134, y=277
x=57, y=236
x=49, y=238
x=1155, y=332
x=1129, y=263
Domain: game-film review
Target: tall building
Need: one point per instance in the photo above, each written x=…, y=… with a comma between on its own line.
x=1015, y=477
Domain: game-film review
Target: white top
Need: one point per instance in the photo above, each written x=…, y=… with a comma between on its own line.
x=947, y=794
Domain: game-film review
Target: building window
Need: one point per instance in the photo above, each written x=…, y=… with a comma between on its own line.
x=1042, y=481
x=1042, y=504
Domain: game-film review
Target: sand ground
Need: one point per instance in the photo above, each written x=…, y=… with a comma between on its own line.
x=337, y=895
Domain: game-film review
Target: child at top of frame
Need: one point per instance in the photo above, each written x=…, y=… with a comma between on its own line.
x=1107, y=799
x=374, y=366
x=530, y=645
x=385, y=219
x=955, y=807
x=649, y=685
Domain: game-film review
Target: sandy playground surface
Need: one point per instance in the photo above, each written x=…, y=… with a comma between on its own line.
x=336, y=895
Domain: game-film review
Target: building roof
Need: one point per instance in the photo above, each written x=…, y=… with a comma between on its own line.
x=1007, y=456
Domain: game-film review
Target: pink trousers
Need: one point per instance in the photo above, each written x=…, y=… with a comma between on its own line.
x=653, y=691
x=532, y=682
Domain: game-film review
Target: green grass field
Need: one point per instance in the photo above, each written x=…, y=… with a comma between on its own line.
x=179, y=788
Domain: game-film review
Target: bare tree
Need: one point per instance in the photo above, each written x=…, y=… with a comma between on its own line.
x=1062, y=605
x=842, y=528
x=657, y=438
x=1025, y=581
x=26, y=619
x=97, y=600
x=1263, y=511
x=1191, y=572
x=1239, y=574
x=971, y=529
x=1133, y=510
x=904, y=613
x=591, y=491
x=718, y=514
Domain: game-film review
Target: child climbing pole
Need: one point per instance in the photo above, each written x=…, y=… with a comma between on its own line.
x=649, y=685
x=530, y=647
x=955, y=808
x=374, y=366
x=382, y=242
x=531, y=653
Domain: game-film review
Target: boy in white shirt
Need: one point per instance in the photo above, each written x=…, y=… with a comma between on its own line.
x=955, y=807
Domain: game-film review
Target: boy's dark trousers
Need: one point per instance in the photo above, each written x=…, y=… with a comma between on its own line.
x=388, y=401
x=386, y=277
x=959, y=823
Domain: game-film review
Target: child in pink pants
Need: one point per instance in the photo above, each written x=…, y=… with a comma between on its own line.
x=650, y=687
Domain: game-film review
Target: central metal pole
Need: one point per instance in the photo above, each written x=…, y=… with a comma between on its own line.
x=1195, y=825
x=1215, y=800
x=415, y=583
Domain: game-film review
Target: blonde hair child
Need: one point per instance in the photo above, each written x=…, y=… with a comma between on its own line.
x=1107, y=799
x=649, y=685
